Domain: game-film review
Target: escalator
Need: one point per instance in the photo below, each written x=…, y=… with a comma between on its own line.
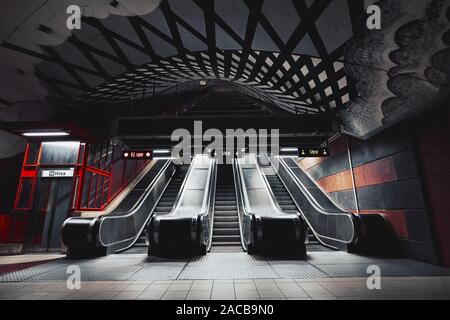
x=285, y=200
x=164, y=206
x=182, y=223
x=226, y=221
x=332, y=226
x=266, y=228
x=122, y=227
x=167, y=201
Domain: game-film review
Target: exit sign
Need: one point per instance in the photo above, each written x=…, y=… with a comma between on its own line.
x=137, y=154
x=308, y=152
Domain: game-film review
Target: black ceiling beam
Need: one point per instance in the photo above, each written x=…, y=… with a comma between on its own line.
x=210, y=26
x=164, y=126
x=314, y=12
x=66, y=67
x=143, y=143
x=252, y=23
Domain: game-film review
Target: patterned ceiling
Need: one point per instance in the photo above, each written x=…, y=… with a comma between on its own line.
x=288, y=49
x=295, y=52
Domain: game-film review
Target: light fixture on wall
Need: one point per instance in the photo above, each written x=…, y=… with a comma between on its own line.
x=203, y=82
x=45, y=134
x=162, y=154
x=289, y=152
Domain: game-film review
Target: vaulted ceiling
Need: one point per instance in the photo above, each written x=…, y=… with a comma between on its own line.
x=306, y=56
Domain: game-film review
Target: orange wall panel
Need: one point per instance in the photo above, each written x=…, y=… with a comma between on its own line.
x=380, y=171
x=337, y=182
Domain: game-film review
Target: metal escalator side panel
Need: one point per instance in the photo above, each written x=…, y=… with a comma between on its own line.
x=82, y=236
x=260, y=199
x=275, y=232
x=119, y=232
x=319, y=199
x=334, y=228
x=245, y=218
x=181, y=230
x=270, y=191
x=193, y=198
x=208, y=223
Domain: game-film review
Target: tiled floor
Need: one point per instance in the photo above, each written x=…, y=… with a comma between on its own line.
x=230, y=276
x=250, y=289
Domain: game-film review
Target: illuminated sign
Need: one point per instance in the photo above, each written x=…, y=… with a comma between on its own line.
x=57, y=173
x=137, y=154
x=308, y=152
x=215, y=154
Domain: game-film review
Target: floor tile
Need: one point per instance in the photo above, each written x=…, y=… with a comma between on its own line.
x=175, y=295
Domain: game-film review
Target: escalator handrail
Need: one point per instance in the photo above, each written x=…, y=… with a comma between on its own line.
x=209, y=199
x=183, y=186
x=180, y=192
x=206, y=199
x=238, y=185
x=246, y=203
x=316, y=206
x=272, y=197
x=100, y=220
x=138, y=203
x=310, y=197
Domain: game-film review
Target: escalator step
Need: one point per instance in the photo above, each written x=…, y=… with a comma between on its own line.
x=168, y=208
x=229, y=218
x=226, y=238
x=225, y=213
x=226, y=208
x=282, y=196
x=230, y=243
x=165, y=203
x=286, y=202
x=289, y=207
x=219, y=202
x=228, y=224
x=226, y=232
x=225, y=194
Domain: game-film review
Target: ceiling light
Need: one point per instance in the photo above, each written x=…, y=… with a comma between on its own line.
x=45, y=134
x=289, y=149
x=160, y=151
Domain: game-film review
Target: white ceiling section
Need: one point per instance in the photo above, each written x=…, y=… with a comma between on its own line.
x=308, y=56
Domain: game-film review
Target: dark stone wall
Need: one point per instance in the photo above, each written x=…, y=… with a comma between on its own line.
x=388, y=180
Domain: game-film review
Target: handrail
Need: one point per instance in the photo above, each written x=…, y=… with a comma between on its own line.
x=208, y=201
x=192, y=205
x=120, y=229
x=132, y=211
x=315, y=205
x=241, y=197
x=180, y=192
x=267, y=218
x=272, y=198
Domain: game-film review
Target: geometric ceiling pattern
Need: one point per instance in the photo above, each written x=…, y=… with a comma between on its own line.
x=301, y=85
x=289, y=50
x=306, y=56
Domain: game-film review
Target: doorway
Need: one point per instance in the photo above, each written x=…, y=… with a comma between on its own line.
x=50, y=209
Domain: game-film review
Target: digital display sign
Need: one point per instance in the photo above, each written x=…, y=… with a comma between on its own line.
x=309, y=152
x=226, y=153
x=137, y=154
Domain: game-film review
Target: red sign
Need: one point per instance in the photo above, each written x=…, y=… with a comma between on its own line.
x=137, y=154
